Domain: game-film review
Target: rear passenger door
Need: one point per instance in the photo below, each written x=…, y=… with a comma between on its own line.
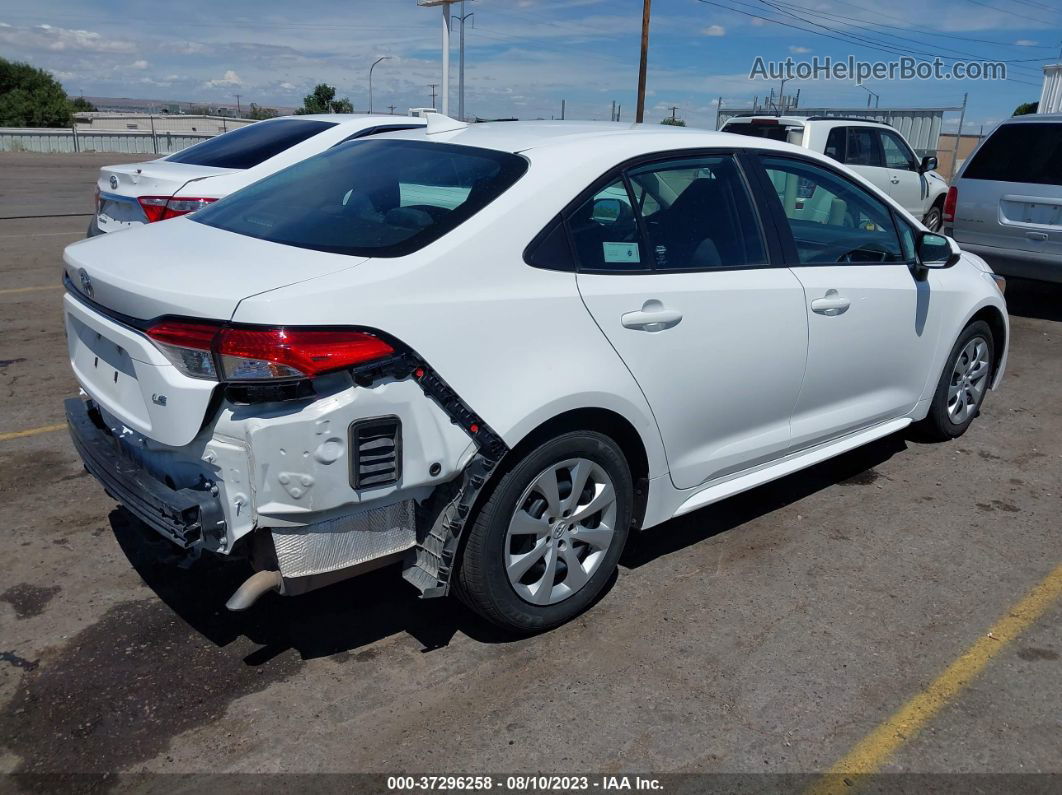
x=673, y=266
x=871, y=324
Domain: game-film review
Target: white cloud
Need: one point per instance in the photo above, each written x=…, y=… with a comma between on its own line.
x=230, y=79
x=48, y=37
x=1025, y=43
x=714, y=30
x=797, y=50
x=140, y=63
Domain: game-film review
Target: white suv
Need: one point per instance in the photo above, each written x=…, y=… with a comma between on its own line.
x=872, y=149
x=487, y=353
x=141, y=193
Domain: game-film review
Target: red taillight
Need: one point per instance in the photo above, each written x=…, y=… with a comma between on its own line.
x=949, y=203
x=262, y=354
x=159, y=208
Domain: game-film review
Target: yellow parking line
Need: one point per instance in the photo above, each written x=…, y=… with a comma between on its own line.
x=31, y=431
x=871, y=752
x=12, y=290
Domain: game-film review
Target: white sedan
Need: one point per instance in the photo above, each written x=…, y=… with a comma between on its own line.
x=488, y=353
x=140, y=193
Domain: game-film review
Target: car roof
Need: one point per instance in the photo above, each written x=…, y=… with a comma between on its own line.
x=848, y=121
x=357, y=119
x=1032, y=118
x=522, y=136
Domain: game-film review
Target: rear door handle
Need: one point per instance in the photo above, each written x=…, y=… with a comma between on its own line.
x=653, y=316
x=831, y=304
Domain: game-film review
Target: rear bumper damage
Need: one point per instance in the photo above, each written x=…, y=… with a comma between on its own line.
x=276, y=484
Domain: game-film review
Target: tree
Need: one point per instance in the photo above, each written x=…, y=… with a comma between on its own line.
x=673, y=122
x=31, y=97
x=258, y=112
x=323, y=100
x=82, y=105
x=1026, y=108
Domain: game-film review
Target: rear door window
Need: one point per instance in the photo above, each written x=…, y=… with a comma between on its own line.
x=835, y=144
x=1026, y=152
x=863, y=148
x=248, y=146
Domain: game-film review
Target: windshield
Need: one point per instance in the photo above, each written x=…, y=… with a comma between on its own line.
x=248, y=146
x=372, y=198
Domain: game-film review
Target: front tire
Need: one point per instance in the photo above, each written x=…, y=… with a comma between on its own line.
x=547, y=540
x=963, y=384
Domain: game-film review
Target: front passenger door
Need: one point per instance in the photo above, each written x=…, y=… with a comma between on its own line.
x=906, y=185
x=871, y=333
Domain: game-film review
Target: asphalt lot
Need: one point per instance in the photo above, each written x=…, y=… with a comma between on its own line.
x=771, y=633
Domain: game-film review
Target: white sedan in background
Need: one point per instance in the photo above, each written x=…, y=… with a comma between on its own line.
x=488, y=353
x=140, y=193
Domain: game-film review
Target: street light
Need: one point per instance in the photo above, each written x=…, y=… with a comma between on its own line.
x=381, y=58
x=876, y=96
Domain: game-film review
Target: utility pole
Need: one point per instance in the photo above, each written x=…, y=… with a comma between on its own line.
x=461, y=64
x=238, y=111
x=562, y=110
x=640, y=112
x=392, y=109
x=433, y=87
x=958, y=135
x=612, y=115
x=673, y=108
x=445, y=82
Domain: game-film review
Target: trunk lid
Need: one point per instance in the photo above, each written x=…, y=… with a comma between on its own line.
x=180, y=267
x=119, y=187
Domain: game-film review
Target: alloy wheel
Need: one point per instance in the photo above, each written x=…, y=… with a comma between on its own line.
x=560, y=532
x=969, y=377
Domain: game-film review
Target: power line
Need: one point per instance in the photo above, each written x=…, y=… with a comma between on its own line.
x=1006, y=11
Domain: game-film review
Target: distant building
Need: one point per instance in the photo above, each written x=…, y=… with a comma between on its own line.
x=160, y=122
x=1051, y=95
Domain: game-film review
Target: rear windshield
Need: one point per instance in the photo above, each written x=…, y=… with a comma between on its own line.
x=1026, y=152
x=776, y=132
x=248, y=146
x=372, y=198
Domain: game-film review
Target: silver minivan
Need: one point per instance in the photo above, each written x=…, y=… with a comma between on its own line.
x=1005, y=204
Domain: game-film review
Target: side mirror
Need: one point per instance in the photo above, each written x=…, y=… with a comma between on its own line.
x=929, y=163
x=937, y=251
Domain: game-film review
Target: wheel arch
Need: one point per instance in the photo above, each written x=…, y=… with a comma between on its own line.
x=997, y=324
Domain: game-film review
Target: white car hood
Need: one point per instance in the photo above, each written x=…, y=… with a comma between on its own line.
x=181, y=267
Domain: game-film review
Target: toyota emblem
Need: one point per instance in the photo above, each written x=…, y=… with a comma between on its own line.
x=114, y=182
x=86, y=283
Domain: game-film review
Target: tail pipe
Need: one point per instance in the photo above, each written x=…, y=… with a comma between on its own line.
x=253, y=587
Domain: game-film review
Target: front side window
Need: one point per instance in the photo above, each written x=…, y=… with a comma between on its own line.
x=832, y=220
x=897, y=153
x=372, y=198
x=248, y=146
x=863, y=147
x=685, y=214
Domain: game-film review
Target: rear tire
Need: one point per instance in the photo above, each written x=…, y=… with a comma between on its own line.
x=963, y=384
x=935, y=217
x=539, y=553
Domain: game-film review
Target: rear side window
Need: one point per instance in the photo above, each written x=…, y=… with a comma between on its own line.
x=248, y=146
x=688, y=214
x=1020, y=153
x=835, y=144
x=773, y=131
x=863, y=149
x=370, y=197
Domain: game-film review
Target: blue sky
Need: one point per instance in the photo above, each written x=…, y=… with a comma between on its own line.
x=524, y=56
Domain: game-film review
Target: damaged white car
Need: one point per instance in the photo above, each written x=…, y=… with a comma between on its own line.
x=488, y=353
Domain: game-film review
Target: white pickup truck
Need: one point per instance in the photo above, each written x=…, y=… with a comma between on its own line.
x=872, y=149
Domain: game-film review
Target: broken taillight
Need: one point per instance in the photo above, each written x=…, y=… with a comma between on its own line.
x=159, y=208
x=206, y=350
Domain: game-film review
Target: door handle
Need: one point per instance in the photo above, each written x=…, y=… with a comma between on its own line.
x=830, y=304
x=653, y=316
